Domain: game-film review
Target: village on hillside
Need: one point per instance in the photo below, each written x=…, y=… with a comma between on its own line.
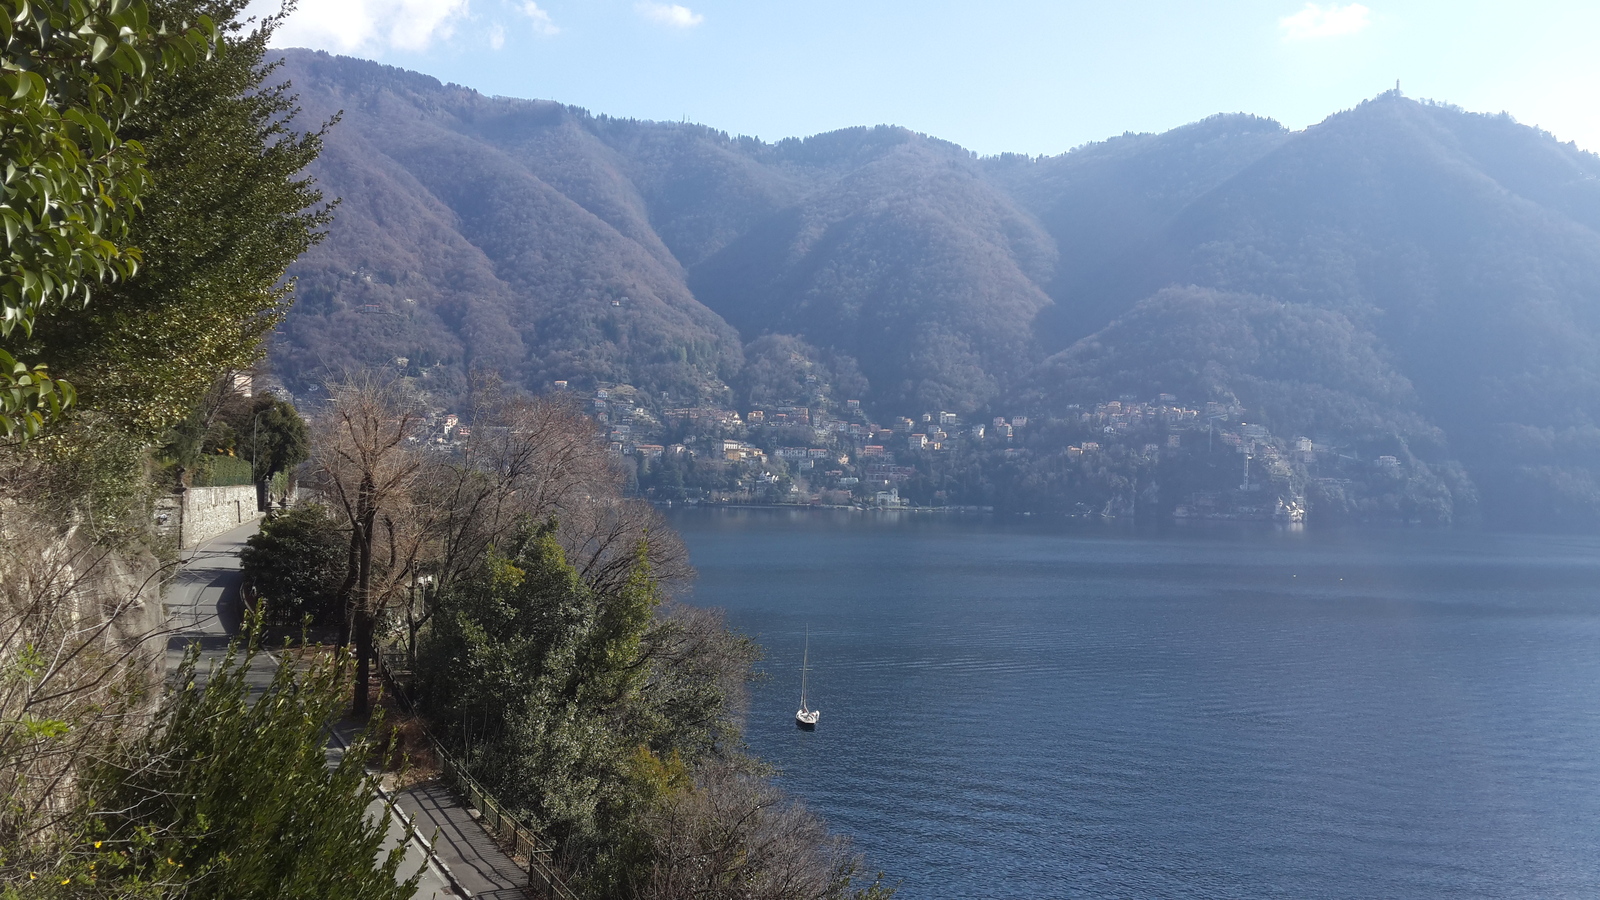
x=1161, y=458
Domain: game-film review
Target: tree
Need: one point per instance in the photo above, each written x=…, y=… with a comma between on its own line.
x=272, y=436
x=537, y=675
x=72, y=72
x=727, y=834
x=611, y=722
x=223, y=215
x=234, y=790
x=529, y=460
x=202, y=429
x=366, y=463
x=295, y=565
x=532, y=459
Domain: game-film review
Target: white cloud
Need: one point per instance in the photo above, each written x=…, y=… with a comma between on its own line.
x=421, y=20
x=670, y=14
x=367, y=25
x=1317, y=21
x=497, y=36
x=542, y=23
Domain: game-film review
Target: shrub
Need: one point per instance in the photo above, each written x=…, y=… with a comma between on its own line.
x=296, y=564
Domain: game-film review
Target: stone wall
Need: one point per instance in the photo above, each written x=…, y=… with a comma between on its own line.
x=210, y=511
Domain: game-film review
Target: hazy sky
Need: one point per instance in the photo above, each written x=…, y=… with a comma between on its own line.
x=1027, y=76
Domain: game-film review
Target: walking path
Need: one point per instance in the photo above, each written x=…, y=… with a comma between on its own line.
x=475, y=860
x=202, y=605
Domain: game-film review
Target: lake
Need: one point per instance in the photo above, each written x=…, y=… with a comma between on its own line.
x=1032, y=710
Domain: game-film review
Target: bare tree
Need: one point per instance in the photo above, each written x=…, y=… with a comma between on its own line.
x=529, y=460
x=733, y=836
x=366, y=459
x=602, y=535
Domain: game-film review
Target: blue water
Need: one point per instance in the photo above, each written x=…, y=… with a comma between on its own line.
x=1028, y=711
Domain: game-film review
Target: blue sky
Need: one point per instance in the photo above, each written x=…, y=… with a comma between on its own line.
x=1001, y=75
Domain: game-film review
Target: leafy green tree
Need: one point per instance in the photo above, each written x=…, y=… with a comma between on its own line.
x=84, y=866
x=72, y=72
x=295, y=565
x=270, y=434
x=224, y=212
x=535, y=674
x=233, y=789
x=273, y=436
x=610, y=722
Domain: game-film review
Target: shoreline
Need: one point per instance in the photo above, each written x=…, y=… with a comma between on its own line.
x=1124, y=522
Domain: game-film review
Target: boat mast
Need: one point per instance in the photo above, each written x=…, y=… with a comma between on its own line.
x=805, y=660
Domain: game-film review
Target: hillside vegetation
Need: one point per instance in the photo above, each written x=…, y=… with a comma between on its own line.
x=1403, y=273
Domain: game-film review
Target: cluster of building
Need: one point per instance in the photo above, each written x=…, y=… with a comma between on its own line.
x=822, y=451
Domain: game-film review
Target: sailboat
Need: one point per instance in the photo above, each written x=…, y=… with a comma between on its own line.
x=806, y=718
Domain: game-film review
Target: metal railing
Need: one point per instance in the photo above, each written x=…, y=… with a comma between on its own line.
x=519, y=838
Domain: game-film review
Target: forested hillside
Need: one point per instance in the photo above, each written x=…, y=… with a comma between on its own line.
x=1403, y=280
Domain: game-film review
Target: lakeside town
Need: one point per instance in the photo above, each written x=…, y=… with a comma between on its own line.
x=1163, y=457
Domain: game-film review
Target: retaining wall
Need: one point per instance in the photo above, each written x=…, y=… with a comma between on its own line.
x=210, y=511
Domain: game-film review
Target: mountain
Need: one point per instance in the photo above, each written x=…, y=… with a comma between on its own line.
x=1455, y=258
x=483, y=233
x=1403, y=279
x=912, y=263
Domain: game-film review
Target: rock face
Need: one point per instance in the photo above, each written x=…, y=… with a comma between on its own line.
x=94, y=610
x=1402, y=272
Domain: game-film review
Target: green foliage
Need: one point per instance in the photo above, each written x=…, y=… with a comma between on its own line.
x=29, y=397
x=212, y=470
x=71, y=74
x=537, y=676
x=611, y=724
x=224, y=213
x=296, y=563
x=269, y=433
x=84, y=474
x=233, y=789
x=88, y=867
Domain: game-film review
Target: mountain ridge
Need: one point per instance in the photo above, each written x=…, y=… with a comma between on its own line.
x=1447, y=261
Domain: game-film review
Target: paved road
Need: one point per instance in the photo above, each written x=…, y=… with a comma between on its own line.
x=202, y=605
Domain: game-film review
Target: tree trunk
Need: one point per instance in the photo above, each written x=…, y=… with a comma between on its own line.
x=363, y=606
x=348, y=590
x=363, y=642
x=413, y=625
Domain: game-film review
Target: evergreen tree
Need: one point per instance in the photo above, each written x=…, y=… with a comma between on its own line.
x=536, y=675
x=295, y=565
x=224, y=213
x=72, y=73
x=232, y=789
